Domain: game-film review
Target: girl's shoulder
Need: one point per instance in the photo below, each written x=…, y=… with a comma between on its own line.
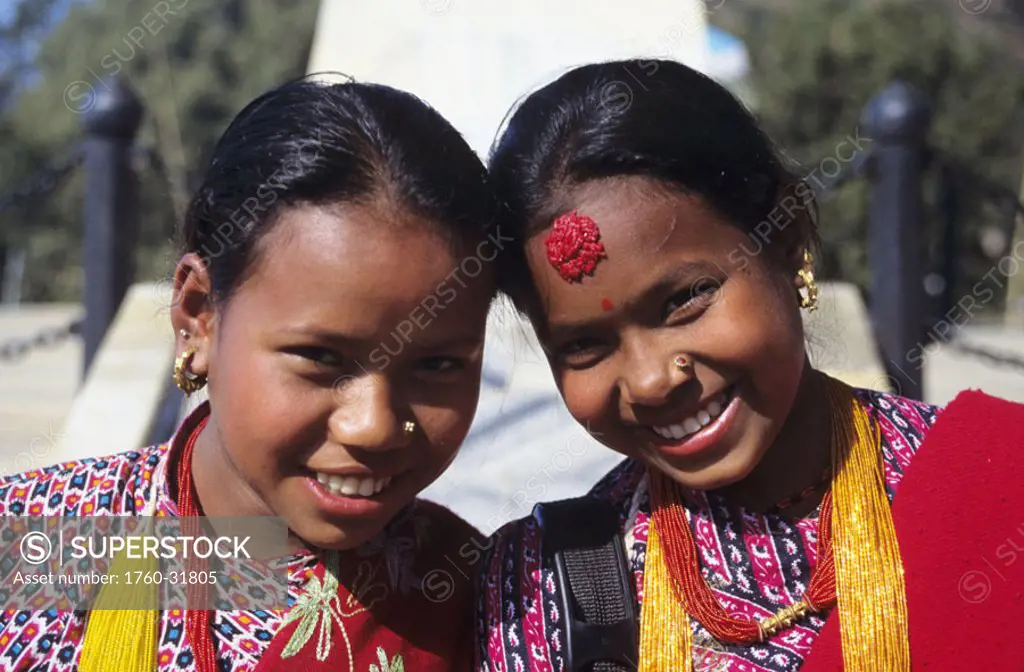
x=974, y=424
x=102, y=485
x=903, y=423
x=899, y=408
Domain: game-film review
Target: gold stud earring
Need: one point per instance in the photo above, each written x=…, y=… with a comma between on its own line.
x=187, y=381
x=681, y=362
x=409, y=428
x=809, y=293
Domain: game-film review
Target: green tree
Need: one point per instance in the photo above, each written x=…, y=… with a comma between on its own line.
x=815, y=66
x=194, y=64
x=23, y=22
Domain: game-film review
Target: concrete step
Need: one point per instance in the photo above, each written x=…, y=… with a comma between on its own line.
x=36, y=391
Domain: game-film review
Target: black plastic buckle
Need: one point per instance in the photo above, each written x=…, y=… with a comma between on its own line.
x=581, y=524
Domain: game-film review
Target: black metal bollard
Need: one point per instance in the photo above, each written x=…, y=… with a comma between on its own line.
x=897, y=120
x=111, y=217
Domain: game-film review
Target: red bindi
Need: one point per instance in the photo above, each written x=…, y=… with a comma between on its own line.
x=606, y=304
x=574, y=246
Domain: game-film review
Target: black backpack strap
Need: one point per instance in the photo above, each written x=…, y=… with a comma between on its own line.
x=583, y=542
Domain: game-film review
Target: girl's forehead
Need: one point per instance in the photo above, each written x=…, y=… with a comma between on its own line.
x=653, y=240
x=639, y=219
x=323, y=257
x=354, y=236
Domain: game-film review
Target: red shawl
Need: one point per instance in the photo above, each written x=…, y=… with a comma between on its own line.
x=959, y=516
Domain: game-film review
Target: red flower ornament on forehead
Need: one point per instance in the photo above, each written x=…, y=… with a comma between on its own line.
x=574, y=246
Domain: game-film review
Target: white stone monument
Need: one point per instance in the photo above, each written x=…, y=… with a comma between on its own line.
x=472, y=59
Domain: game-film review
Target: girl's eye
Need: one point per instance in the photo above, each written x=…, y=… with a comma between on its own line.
x=581, y=353
x=441, y=364
x=700, y=295
x=319, y=356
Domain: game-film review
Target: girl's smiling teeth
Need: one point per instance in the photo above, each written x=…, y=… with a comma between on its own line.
x=694, y=423
x=351, y=486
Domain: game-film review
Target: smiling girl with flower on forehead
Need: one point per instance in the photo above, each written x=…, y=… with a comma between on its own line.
x=754, y=503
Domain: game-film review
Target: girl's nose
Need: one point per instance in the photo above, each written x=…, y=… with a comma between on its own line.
x=650, y=375
x=365, y=417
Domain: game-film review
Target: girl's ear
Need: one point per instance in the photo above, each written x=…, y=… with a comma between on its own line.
x=795, y=218
x=192, y=310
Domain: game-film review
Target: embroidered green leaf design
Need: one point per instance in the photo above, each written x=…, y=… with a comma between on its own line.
x=397, y=664
x=314, y=608
x=307, y=612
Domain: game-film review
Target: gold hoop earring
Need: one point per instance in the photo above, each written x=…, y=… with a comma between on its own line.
x=808, y=300
x=409, y=428
x=187, y=381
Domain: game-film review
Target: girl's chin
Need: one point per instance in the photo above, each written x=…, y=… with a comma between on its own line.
x=336, y=539
x=708, y=483
x=723, y=472
x=314, y=530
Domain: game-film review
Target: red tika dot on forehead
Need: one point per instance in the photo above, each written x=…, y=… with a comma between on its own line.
x=607, y=304
x=574, y=246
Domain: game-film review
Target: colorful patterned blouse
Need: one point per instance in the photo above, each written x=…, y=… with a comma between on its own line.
x=401, y=619
x=755, y=563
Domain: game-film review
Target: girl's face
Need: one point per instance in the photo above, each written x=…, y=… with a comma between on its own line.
x=350, y=325
x=677, y=280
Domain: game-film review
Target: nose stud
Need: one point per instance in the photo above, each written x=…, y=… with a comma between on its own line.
x=409, y=427
x=681, y=363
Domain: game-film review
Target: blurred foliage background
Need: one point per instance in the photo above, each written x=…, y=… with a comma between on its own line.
x=814, y=67
x=194, y=69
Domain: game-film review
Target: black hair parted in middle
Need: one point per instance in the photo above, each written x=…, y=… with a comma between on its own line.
x=318, y=143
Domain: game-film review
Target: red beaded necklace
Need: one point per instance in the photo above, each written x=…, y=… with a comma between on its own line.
x=681, y=556
x=197, y=621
